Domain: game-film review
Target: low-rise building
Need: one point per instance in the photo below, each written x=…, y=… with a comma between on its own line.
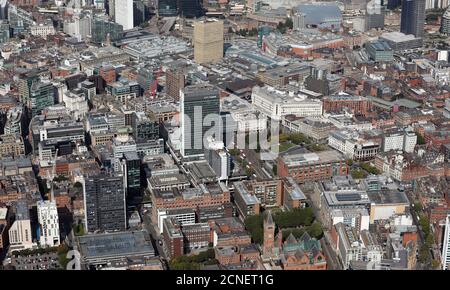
x=305, y=167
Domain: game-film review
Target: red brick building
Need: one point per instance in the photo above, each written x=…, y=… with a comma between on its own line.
x=355, y=104
x=108, y=73
x=306, y=167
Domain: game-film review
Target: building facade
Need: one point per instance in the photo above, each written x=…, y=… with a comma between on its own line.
x=104, y=200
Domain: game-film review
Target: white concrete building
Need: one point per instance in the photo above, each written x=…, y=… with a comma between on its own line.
x=184, y=216
x=14, y=120
x=352, y=146
x=20, y=235
x=121, y=145
x=42, y=30
x=124, y=13
x=76, y=103
x=49, y=223
x=357, y=218
x=405, y=140
x=276, y=104
x=246, y=117
x=79, y=26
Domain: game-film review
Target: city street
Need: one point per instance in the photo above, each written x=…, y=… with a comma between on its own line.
x=254, y=162
x=154, y=236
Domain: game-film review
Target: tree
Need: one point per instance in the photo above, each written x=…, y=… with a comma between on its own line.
x=275, y=169
x=254, y=225
x=418, y=206
x=368, y=168
x=424, y=254
x=429, y=240
x=281, y=28
x=358, y=174
x=420, y=139
x=289, y=23
x=436, y=264
x=315, y=230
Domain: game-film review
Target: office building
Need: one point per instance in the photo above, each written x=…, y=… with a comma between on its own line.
x=15, y=121
x=104, y=203
x=144, y=128
x=190, y=8
x=4, y=32
x=140, y=12
x=102, y=28
x=79, y=25
x=399, y=41
x=208, y=41
x=19, y=19
x=379, y=51
x=185, y=216
x=167, y=8
x=299, y=21
x=276, y=104
x=445, y=22
x=413, y=17
x=49, y=223
x=374, y=15
x=247, y=203
x=173, y=237
x=395, y=139
x=175, y=81
x=42, y=95
x=357, y=105
x=20, y=235
x=197, y=102
x=124, y=13
x=304, y=167
x=131, y=164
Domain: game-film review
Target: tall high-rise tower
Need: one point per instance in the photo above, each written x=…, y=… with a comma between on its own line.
x=199, y=117
x=413, y=17
x=49, y=223
x=208, y=40
x=124, y=13
x=104, y=203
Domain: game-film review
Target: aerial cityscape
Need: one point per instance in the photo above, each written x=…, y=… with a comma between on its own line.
x=225, y=135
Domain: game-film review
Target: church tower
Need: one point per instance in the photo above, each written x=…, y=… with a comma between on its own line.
x=269, y=235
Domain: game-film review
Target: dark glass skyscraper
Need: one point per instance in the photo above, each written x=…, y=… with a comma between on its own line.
x=190, y=8
x=413, y=17
x=196, y=103
x=104, y=197
x=101, y=27
x=132, y=169
x=167, y=8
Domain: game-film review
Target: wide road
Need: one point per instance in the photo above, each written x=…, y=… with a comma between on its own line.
x=254, y=162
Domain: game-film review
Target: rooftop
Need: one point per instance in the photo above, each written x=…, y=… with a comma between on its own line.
x=115, y=245
x=312, y=158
